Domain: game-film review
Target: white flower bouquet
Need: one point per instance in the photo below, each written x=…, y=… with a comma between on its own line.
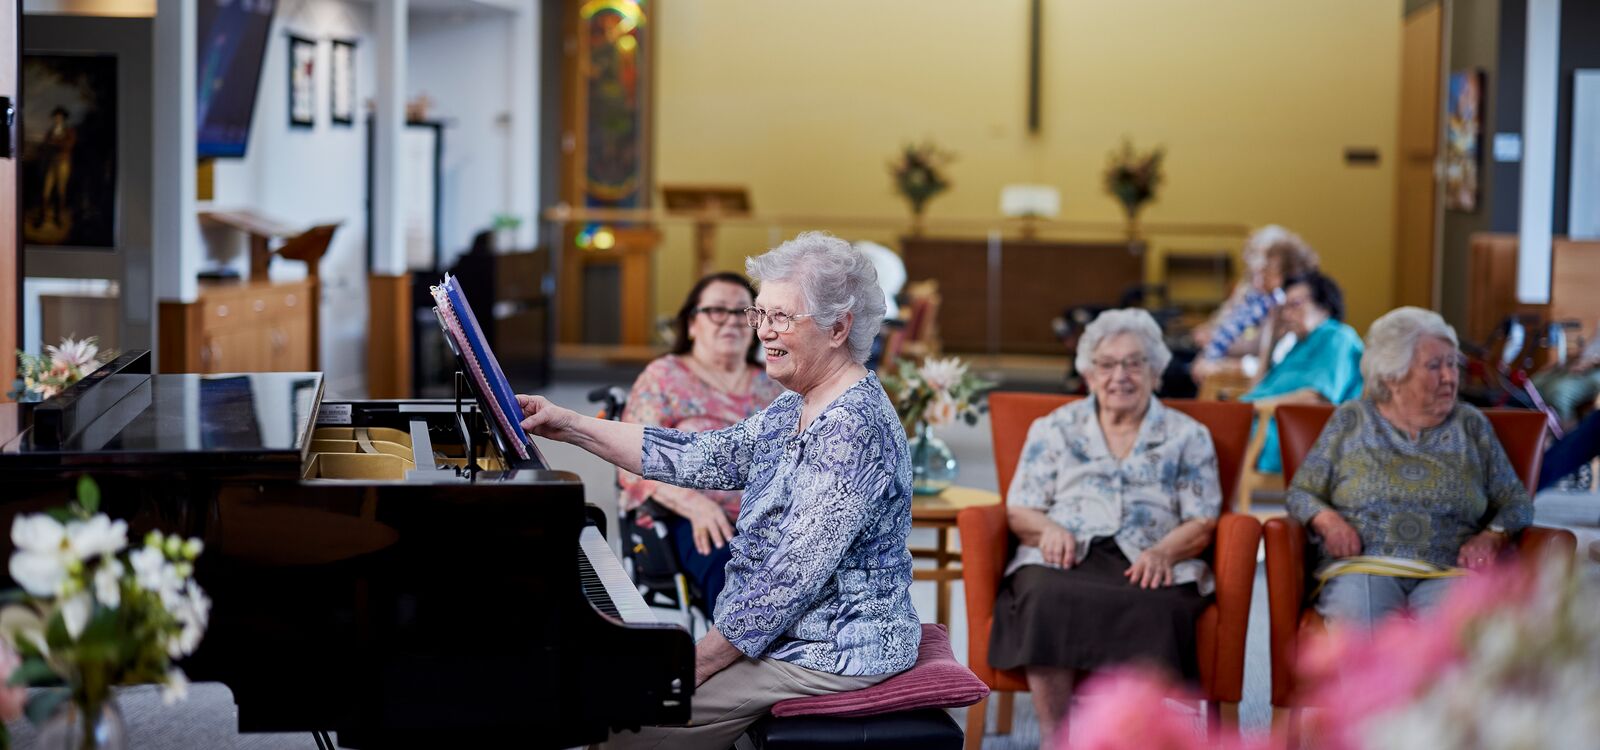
x=937, y=393
x=93, y=613
x=39, y=378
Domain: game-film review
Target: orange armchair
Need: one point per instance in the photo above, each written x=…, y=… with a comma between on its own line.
x=1521, y=433
x=986, y=537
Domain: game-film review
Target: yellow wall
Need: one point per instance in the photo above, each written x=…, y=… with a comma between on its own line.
x=1255, y=101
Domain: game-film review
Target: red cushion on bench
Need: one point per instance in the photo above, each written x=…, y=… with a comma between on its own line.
x=937, y=680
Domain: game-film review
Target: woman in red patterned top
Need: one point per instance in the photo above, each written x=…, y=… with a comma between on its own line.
x=711, y=380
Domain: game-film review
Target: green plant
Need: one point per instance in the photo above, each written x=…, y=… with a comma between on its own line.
x=504, y=222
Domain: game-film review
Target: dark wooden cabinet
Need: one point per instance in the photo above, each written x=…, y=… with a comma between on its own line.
x=1038, y=279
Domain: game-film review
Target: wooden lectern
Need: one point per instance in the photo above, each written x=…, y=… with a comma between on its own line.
x=306, y=245
x=707, y=203
x=629, y=250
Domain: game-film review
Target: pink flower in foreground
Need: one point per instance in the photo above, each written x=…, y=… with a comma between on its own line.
x=1125, y=709
x=12, y=699
x=1355, y=677
x=1122, y=709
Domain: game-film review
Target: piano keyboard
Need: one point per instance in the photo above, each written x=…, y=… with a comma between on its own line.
x=604, y=583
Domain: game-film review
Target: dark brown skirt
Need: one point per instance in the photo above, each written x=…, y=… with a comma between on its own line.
x=1090, y=617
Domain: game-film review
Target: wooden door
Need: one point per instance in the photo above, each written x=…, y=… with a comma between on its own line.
x=1416, y=198
x=10, y=248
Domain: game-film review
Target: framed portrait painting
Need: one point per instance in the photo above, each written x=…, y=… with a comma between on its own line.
x=342, y=82
x=302, y=82
x=69, y=150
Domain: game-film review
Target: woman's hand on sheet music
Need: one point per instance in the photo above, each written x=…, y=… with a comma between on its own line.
x=619, y=443
x=1482, y=550
x=542, y=418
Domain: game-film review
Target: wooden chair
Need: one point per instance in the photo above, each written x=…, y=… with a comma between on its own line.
x=919, y=337
x=986, y=537
x=1521, y=433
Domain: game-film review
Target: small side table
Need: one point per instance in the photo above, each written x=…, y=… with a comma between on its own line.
x=939, y=512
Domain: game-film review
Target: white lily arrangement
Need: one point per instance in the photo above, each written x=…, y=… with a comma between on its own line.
x=39, y=378
x=937, y=393
x=93, y=613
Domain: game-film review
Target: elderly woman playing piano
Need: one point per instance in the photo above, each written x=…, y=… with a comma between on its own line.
x=817, y=598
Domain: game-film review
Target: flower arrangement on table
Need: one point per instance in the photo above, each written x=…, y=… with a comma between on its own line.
x=1132, y=177
x=1510, y=658
x=936, y=393
x=39, y=378
x=919, y=174
x=93, y=613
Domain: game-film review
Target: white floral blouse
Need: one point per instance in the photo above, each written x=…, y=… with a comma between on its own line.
x=1169, y=477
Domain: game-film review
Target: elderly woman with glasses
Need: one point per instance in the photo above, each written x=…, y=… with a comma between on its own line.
x=712, y=379
x=1114, y=499
x=1406, y=487
x=818, y=585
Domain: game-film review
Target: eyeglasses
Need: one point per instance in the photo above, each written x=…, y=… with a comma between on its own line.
x=1134, y=365
x=1441, y=364
x=781, y=322
x=718, y=315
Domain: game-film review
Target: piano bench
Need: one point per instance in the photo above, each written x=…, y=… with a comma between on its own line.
x=922, y=729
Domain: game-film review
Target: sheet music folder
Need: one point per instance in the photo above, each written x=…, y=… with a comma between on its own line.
x=496, y=400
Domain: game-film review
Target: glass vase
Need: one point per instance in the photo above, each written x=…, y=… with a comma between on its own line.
x=76, y=727
x=933, y=466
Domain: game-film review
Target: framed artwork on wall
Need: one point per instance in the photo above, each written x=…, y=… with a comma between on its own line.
x=69, y=150
x=1464, y=136
x=342, y=83
x=302, y=82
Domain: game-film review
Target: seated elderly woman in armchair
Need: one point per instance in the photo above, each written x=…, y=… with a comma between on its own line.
x=1115, y=497
x=1406, y=486
x=818, y=580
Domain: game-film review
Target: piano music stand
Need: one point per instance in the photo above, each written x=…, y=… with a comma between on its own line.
x=708, y=203
x=463, y=381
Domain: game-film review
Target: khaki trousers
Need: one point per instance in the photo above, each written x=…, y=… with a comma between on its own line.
x=733, y=699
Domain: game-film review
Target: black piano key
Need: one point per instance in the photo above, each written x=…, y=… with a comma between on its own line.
x=593, y=589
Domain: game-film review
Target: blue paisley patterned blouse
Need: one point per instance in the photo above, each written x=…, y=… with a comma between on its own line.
x=1419, y=500
x=1169, y=477
x=820, y=575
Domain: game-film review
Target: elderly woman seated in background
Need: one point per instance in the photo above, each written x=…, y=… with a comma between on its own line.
x=818, y=592
x=1271, y=255
x=1114, y=499
x=712, y=379
x=1405, y=486
x=1323, y=367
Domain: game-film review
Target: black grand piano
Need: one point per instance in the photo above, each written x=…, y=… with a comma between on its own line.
x=379, y=569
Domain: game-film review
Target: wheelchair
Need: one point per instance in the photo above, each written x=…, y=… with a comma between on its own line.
x=648, y=556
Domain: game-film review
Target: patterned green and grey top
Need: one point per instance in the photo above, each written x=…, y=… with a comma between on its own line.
x=1419, y=500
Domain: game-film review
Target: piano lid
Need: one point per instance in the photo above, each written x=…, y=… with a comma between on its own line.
x=257, y=424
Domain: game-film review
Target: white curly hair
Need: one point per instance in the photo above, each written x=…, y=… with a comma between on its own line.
x=834, y=278
x=1392, y=343
x=1132, y=321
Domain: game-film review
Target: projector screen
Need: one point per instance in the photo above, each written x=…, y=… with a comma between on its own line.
x=231, y=42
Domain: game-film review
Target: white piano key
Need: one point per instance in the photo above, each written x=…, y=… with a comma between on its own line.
x=624, y=596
